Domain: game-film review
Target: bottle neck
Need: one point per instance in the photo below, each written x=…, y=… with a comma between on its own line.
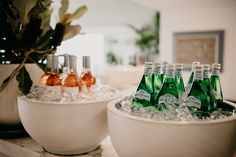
x=206, y=74
x=198, y=75
x=157, y=70
x=148, y=70
x=49, y=65
x=216, y=72
x=164, y=70
x=73, y=67
x=169, y=74
x=55, y=68
x=55, y=71
x=178, y=72
x=48, y=70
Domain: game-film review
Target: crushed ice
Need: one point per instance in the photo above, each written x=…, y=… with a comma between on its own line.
x=57, y=94
x=182, y=113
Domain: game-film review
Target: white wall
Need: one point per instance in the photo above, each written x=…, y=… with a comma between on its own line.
x=109, y=18
x=201, y=19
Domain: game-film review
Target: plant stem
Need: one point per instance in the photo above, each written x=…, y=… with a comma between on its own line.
x=14, y=72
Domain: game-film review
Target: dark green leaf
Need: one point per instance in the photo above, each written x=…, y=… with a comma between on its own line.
x=44, y=40
x=24, y=80
x=63, y=8
x=58, y=35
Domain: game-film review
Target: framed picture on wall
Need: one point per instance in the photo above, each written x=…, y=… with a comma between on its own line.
x=204, y=46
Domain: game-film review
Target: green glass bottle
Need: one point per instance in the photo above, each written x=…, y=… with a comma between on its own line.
x=157, y=77
x=207, y=83
x=197, y=99
x=190, y=80
x=144, y=94
x=168, y=96
x=163, y=73
x=179, y=79
x=215, y=83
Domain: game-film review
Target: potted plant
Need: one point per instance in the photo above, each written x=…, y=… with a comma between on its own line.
x=148, y=37
x=26, y=38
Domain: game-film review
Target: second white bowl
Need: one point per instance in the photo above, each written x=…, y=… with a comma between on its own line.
x=139, y=137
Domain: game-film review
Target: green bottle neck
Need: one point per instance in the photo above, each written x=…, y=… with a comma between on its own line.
x=169, y=77
x=216, y=72
x=198, y=75
x=157, y=70
x=148, y=70
x=178, y=72
x=206, y=74
x=169, y=74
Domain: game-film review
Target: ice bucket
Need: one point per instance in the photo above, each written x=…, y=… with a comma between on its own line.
x=65, y=128
x=139, y=137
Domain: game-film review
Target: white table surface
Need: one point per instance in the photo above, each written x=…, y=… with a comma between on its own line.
x=27, y=147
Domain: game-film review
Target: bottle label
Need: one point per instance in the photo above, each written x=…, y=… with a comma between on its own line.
x=143, y=95
x=168, y=99
x=193, y=102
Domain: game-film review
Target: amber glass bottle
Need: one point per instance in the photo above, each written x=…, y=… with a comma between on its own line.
x=86, y=78
x=54, y=78
x=72, y=78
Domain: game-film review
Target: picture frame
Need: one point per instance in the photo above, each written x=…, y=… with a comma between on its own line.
x=203, y=46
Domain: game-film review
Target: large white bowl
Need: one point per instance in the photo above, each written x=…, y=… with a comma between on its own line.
x=138, y=137
x=65, y=128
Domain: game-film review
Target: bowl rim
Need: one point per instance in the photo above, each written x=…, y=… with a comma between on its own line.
x=115, y=96
x=111, y=108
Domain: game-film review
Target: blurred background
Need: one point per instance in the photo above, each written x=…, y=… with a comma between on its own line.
x=120, y=35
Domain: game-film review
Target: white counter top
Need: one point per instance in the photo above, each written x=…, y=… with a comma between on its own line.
x=27, y=147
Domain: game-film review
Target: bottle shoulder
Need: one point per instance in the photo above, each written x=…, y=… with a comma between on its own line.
x=197, y=88
x=168, y=88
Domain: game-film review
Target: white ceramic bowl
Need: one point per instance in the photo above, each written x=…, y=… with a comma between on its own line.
x=138, y=137
x=65, y=128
